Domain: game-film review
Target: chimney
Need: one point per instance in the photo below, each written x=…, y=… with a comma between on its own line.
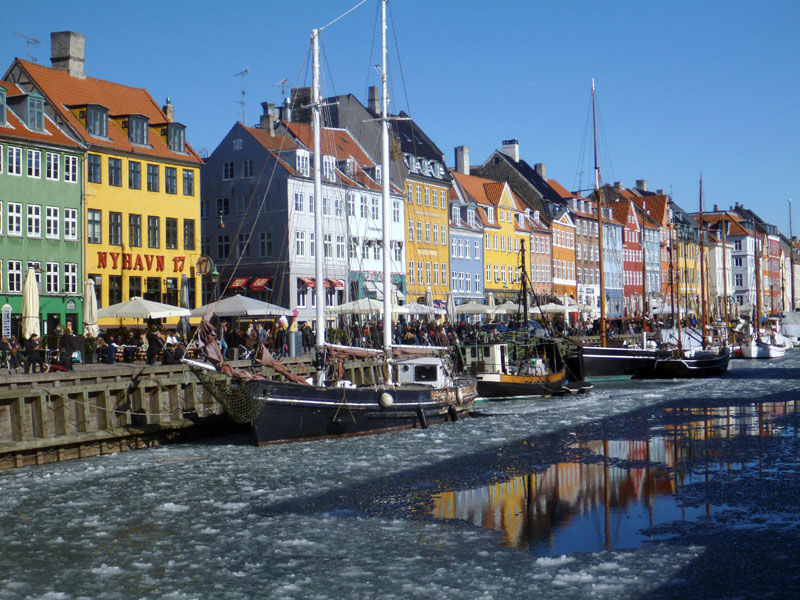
x=641, y=184
x=541, y=170
x=66, y=52
x=286, y=110
x=716, y=208
x=374, y=100
x=266, y=121
x=511, y=148
x=301, y=105
x=169, y=110
x=617, y=185
x=462, y=160
x=660, y=192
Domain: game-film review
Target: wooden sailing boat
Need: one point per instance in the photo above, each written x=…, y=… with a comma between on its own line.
x=605, y=362
x=700, y=362
x=418, y=390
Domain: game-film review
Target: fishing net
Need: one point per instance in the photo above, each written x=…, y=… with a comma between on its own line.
x=241, y=399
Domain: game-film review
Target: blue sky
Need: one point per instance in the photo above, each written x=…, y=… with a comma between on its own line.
x=683, y=86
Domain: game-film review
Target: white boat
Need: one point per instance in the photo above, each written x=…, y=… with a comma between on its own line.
x=755, y=349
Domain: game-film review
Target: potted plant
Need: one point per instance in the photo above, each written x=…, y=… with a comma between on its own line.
x=90, y=345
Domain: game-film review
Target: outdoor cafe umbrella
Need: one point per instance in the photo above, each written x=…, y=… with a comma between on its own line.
x=414, y=308
x=90, y=327
x=241, y=306
x=362, y=306
x=183, y=324
x=506, y=308
x=451, y=307
x=139, y=308
x=473, y=308
x=30, y=306
x=490, y=300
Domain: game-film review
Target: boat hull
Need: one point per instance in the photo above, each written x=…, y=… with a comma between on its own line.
x=686, y=367
x=293, y=412
x=762, y=350
x=500, y=385
x=592, y=363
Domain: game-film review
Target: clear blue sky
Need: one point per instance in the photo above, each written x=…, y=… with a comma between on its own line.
x=683, y=86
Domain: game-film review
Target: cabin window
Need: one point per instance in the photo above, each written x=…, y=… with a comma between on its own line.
x=425, y=373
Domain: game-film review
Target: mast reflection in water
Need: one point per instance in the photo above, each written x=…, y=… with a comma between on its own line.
x=620, y=490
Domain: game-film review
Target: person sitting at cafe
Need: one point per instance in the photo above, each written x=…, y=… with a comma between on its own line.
x=172, y=354
x=33, y=353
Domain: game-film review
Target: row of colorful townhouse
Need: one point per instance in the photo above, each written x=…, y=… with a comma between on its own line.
x=97, y=182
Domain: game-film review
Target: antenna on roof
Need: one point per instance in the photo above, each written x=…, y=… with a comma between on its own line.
x=243, y=101
x=282, y=84
x=28, y=41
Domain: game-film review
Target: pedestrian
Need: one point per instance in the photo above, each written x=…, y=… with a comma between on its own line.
x=154, y=345
x=33, y=354
x=66, y=346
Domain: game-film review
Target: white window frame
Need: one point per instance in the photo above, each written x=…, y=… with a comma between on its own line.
x=70, y=224
x=14, y=161
x=14, y=283
x=14, y=212
x=52, y=168
x=34, y=163
x=51, y=278
x=299, y=243
x=34, y=221
x=52, y=219
x=70, y=278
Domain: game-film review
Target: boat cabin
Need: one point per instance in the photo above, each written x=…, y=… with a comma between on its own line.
x=425, y=370
x=487, y=358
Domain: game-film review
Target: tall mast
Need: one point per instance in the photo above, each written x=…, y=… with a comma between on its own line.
x=670, y=232
x=702, y=268
x=319, y=291
x=387, y=273
x=524, y=282
x=791, y=256
x=599, y=195
x=758, y=283
x=725, y=270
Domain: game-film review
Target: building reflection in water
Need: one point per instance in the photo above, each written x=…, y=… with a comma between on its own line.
x=580, y=507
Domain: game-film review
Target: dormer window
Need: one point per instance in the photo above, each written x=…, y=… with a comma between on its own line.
x=302, y=162
x=97, y=121
x=35, y=113
x=176, y=137
x=490, y=214
x=378, y=174
x=471, y=217
x=137, y=129
x=455, y=215
x=329, y=167
x=2, y=106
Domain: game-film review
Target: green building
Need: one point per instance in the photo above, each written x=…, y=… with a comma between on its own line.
x=40, y=213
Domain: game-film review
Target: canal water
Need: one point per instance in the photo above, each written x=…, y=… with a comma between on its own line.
x=633, y=490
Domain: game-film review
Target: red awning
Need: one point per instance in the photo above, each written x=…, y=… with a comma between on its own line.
x=307, y=281
x=259, y=283
x=337, y=284
x=238, y=282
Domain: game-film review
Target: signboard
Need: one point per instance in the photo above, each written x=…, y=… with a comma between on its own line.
x=6, y=310
x=70, y=304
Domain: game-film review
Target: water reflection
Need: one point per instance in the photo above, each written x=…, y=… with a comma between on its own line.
x=621, y=487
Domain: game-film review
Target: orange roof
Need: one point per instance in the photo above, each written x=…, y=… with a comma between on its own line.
x=560, y=189
x=17, y=129
x=484, y=191
x=272, y=142
x=335, y=142
x=63, y=91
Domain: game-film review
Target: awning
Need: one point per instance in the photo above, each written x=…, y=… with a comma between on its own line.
x=307, y=281
x=337, y=284
x=238, y=282
x=259, y=283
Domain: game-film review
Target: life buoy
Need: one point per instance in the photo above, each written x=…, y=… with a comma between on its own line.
x=385, y=400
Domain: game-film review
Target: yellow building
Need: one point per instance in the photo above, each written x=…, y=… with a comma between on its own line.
x=427, y=193
x=141, y=179
x=504, y=232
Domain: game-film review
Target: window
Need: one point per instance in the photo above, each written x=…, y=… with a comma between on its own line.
x=329, y=167
x=135, y=230
x=470, y=217
x=134, y=286
x=247, y=168
x=223, y=246
x=14, y=276
x=223, y=207
x=154, y=232
x=134, y=175
x=97, y=121
x=115, y=289
x=188, y=182
x=71, y=169
x=427, y=196
x=302, y=293
x=351, y=204
x=265, y=243
x=363, y=205
x=455, y=215
x=71, y=278
x=137, y=130
x=300, y=243
x=444, y=271
x=427, y=232
x=34, y=163
x=443, y=236
x=326, y=206
x=311, y=244
x=396, y=211
x=739, y=280
x=419, y=195
x=411, y=231
x=171, y=233
x=327, y=245
x=243, y=246
x=115, y=172
x=435, y=232
x=51, y=166
x=427, y=272
x=188, y=234
x=51, y=278
x=176, y=137
x=2, y=121
x=94, y=169
x=51, y=222
x=398, y=251
x=410, y=194
x=302, y=163
x=353, y=248
x=339, y=246
x=419, y=231
x=374, y=208
x=737, y=244
x=34, y=220
x=419, y=271
x=435, y=198
x=170, y=180
x=152, y=178
x=70, y=223
x=490, y=214
x=14, y=161
x=338, y=207
x=35, y=112
x=411, y=271
x=477, y=250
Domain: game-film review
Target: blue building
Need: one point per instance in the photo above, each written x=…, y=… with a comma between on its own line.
x=466, y=249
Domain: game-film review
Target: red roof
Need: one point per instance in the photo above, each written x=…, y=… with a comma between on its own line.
x=15, y=128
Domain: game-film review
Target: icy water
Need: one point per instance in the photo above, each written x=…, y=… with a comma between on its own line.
x=670, y=489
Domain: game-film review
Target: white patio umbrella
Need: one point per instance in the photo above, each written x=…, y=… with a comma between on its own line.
x=506, y=308
x=414, y=308
x=363, y=306
x=90, y=309
x=473, y=308
x=183, y=324
x=30, y=306
x=429, y=296
x=490, y=300
x=139, y=308
x=451, y=307
x=241, y=306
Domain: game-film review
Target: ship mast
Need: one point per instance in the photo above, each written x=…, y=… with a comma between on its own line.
x=599, y=195
x=725, y=271
x=702, y=269
x=385, y=181
x=758, y=283
x=791, y=256
x=318, y=255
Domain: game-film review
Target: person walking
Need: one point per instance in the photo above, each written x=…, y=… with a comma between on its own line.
x=66, y=346
x=33, y=354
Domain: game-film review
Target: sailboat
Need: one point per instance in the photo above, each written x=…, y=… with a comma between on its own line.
x=755, y=347
x=699, y=362
x=413, y=387
x=594, y=363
